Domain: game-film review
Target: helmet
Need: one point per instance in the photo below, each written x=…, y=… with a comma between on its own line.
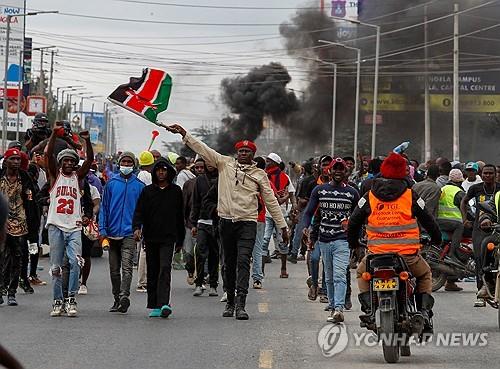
x=40, y=121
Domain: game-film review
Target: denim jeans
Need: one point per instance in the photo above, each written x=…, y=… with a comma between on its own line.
x=61, y=243
x=279, y=245
x=257, y=253
x=335, y=263
x=314, y=257
x=297, y=237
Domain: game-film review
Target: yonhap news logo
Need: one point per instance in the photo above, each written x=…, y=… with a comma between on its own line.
x=334, y=339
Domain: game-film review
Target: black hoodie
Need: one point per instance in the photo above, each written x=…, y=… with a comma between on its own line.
x=390, y=190
x=159, y=211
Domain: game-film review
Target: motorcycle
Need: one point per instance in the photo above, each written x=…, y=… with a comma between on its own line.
x=443, y=266
x=491, y=262
x=393, y=315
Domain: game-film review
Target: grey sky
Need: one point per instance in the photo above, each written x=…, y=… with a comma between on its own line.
x=101, y=54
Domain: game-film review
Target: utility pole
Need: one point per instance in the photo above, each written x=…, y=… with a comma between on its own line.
x=456, y=122
x=19, y=92
x=42, y=76
x=427, y=105
x=334, y=105
x=51, y=76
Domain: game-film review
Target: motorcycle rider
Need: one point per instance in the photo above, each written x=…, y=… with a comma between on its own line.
x=391, y=210
x=486, y=221
x=449, y=217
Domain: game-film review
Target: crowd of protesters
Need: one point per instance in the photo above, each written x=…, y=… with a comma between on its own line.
x=219, y=212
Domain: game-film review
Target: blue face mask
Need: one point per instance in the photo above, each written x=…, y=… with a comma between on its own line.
x=126, y=170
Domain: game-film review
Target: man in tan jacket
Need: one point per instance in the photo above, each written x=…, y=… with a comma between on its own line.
x=240, y=184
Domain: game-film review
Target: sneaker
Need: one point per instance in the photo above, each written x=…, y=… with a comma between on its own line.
x=198, y=291
x=301, y=258
x=224, y=297
x=71, y=308
x=155, y=313
x=124, y=305
x=336, y=317
x=141, y=289
x=165, y=311
x=190, y=279
x=82, y=290
x=266, y=259
x=480, y=302
x=26, y=287
x=35, y=281
x=228, y=311
x=11, y=300
x=241, y=314
x=328, y=308
x=116, y=305
x=257, y=285
x=213, y=292
x=292, y=259
x=57, y=308
x=323, y=299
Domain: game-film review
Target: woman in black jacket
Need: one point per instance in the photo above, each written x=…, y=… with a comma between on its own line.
x=159, y=220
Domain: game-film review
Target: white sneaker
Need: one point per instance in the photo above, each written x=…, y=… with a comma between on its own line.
x=82, y=290
x=71, y=308
x=57, y=308
x=479, y=302
x=224, y=297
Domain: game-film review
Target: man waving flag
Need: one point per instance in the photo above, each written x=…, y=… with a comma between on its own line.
x=147, y=96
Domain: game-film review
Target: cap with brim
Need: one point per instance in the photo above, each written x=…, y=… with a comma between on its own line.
x=275, y=157
x=472, y=166
x=325, y=157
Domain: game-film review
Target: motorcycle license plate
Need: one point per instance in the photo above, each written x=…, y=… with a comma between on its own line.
x=390, y=284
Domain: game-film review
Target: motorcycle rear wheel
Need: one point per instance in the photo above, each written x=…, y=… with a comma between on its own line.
x=438, y=278
x=391, y=350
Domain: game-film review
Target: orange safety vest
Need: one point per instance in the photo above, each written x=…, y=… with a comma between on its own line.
x=392, y=227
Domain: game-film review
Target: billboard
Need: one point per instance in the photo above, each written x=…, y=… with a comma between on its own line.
x=347, y=9
x=11, y=8
x=96, y=125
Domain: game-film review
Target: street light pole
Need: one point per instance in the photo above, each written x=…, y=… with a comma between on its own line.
x=358, y=78
x=375, y=82
x=6, y=69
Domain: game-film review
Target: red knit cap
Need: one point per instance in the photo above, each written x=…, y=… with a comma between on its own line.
x=394, y=167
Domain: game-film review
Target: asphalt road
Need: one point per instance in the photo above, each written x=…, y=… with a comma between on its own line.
x=281, y=333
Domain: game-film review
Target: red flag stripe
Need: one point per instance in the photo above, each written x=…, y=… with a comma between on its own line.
x=135, y=104
x=153, y=80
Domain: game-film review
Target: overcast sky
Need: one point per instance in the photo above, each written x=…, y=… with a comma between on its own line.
x=101, y=54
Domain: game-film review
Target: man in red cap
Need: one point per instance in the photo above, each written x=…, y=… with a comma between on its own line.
x=391, y=211
x=22, y=223
x=240, y=184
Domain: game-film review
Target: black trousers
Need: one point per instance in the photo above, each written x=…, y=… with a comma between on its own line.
x=207, y=247
x=10, y=264
x=159, y=266
x=25, y=258
x=238, y=239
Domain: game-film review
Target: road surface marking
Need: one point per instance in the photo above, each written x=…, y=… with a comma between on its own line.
x=263, y=307
x=266, y=359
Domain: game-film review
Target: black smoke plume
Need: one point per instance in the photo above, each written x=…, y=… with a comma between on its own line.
x=250, y=98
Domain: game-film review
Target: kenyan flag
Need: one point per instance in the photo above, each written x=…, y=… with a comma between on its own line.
x=146, y=96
